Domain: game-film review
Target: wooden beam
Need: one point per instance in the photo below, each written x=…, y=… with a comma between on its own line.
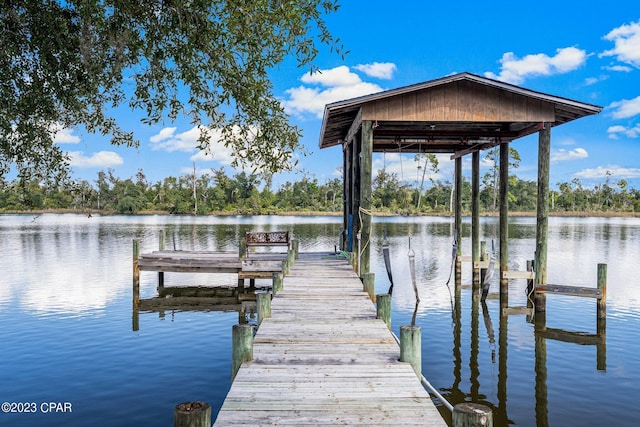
x=575, y=291
x=366, y=159
x=354, y=128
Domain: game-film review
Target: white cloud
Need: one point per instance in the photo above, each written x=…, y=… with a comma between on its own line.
x=63, y=135
x=216, y=152
x=625, y=108
x=614, y=171
x=101, y=159
x=627, y=44
x=615, y=131
x=165, y=133
x=620, y=68
x=167, y=140
x=515, y=70
x=325, y=87
x=381, y=70
x=575, y=154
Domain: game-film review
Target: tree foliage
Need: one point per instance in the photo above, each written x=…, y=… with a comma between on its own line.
x=65, y=63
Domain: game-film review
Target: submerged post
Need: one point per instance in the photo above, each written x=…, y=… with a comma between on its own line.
x=136, y=274
x=411, y=347
x=192, y=414
x=161, y=245
x=383, y=308
x=241, y=347
x=602, y=286
x=470, y=414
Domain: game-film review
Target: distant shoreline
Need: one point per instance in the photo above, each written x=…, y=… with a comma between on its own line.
x=576, y=214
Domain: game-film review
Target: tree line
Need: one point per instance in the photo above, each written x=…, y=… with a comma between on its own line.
x=246, y=193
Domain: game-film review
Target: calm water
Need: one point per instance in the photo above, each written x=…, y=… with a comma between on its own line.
x=66, y=321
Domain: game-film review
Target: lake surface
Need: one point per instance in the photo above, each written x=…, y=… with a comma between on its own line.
x=69, y=349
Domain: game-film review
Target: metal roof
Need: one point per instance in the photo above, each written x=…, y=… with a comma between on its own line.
x=456, y=129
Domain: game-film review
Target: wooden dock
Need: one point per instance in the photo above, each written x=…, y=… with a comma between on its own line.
x=323, y=358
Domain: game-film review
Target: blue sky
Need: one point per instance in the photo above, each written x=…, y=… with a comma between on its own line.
x=584, y=51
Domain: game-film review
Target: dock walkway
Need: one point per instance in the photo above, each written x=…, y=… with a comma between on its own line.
x=323, y=358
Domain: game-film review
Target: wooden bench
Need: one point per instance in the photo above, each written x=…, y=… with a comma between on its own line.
x=255, y=239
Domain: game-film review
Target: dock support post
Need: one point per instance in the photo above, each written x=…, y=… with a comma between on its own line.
x=295, y=245
x=411, y=347
x=277, y=282
x=602, y=285
x=366, y=159
x=469, y=414
x=483, y=257
x=291, y=257
x=192, y=414
x=263, y=301
x=475, y=218
x=285, y=267
x=458, y=223
x=368, y=284
x=504, y=223
x=161, y=246
x=241, y=346
x=383, y=308
x=542, y=213
x=136, y=274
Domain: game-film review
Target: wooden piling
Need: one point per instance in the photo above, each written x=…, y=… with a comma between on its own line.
x=411, y=347
x=368, y=284
x=383, y=308
x=136, y=274
x=295, y=245
x=263, y=302
x=458, y=223
x=602, y=286
x=484, y=256
x=277, y=283
x=161, y=246
x=285, y=267
x=241, y=346
x=192, y=414
x=504, y=223
x=366, y=176
x=291, y=257
x=475, y=218
x=470, y=414
x=542, y=212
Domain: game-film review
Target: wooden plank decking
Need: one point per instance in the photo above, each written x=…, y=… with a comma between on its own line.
x=324, y=359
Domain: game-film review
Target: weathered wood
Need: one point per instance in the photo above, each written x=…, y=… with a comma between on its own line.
x=295, y=245
x=601, y=305
x=542, y=212
x=366, y=159
x=475, y=217
x=383, y=308
x=241, y=346
x=576, y=291
x=192, y=414
x=458, y=222
x=504, y=223
x=513, y=274
x=263, y=302
x=411, y=347
x=368, y=284
x=323, y=358
x=136, y=273
x=469, y=414
x=277, y=282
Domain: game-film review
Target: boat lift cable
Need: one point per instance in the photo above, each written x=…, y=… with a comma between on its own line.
x=454, y=254
x=412, y=269
x=428, y=385
x=387, y=259
x=486, y=282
